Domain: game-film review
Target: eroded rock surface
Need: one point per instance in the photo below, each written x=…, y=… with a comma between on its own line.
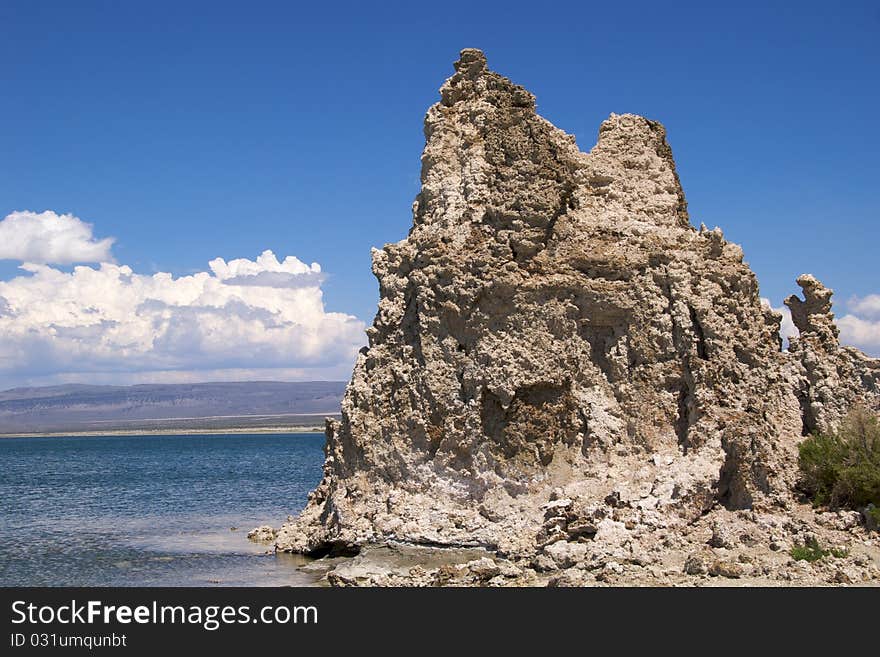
x=559, y=360
x=830, y=379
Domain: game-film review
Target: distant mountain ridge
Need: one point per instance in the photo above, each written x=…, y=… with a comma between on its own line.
x=82, y=407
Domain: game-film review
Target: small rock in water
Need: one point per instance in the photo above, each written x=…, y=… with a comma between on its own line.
x=263, y=533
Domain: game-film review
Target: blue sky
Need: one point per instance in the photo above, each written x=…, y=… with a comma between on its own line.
x=192, y=131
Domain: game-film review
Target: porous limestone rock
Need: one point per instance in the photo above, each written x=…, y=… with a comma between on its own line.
x=559, y=356
x=262, y=534
x=830, y=379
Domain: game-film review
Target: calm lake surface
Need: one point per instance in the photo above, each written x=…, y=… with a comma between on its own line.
x=151, y=510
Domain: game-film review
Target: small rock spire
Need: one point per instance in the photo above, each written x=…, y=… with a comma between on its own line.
x=471, y=62
x=474, y=81
x=813, y=314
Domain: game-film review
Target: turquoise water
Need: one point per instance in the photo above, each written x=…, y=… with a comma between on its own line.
x=151, y=510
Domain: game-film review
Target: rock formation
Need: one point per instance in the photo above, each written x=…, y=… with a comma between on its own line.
x=830, y=378
x=559, y=360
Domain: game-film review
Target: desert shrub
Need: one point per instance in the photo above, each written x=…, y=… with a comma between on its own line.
x=842, y=468
x=873, y=516
x=812, y=551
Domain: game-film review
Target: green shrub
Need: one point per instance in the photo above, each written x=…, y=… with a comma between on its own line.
x=873, y=516
x=842, y=468
x=812, y=551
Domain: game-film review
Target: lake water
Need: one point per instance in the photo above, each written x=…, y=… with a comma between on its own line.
x=151, y=510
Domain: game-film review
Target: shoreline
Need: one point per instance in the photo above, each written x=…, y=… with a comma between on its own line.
x=166, y=432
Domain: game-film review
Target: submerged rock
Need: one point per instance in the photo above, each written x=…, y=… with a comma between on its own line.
x=558, y=355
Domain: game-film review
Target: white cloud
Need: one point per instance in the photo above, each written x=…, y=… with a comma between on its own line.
x=51, y=238
x=265, y=262
x=243, y=319
x=787, y=329
x=862, y=333
x=869, y=305
x=861, y=327
x=267, y=271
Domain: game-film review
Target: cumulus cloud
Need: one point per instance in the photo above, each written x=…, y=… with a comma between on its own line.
x=861, y=327
x=862, y=333
x=267, y=271
x=266, y=262
x=243, y=318
x=47, y=237
x=868, y=306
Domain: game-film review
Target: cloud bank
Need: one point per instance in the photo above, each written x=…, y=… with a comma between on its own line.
x=242, y=319
x=51, y=238
x=237, y=320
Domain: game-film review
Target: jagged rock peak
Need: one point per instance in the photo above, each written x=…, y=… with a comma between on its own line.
x=473, y=80
x=635, y=142
x=491, y=159
x=471, y=59
x=558, y=354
